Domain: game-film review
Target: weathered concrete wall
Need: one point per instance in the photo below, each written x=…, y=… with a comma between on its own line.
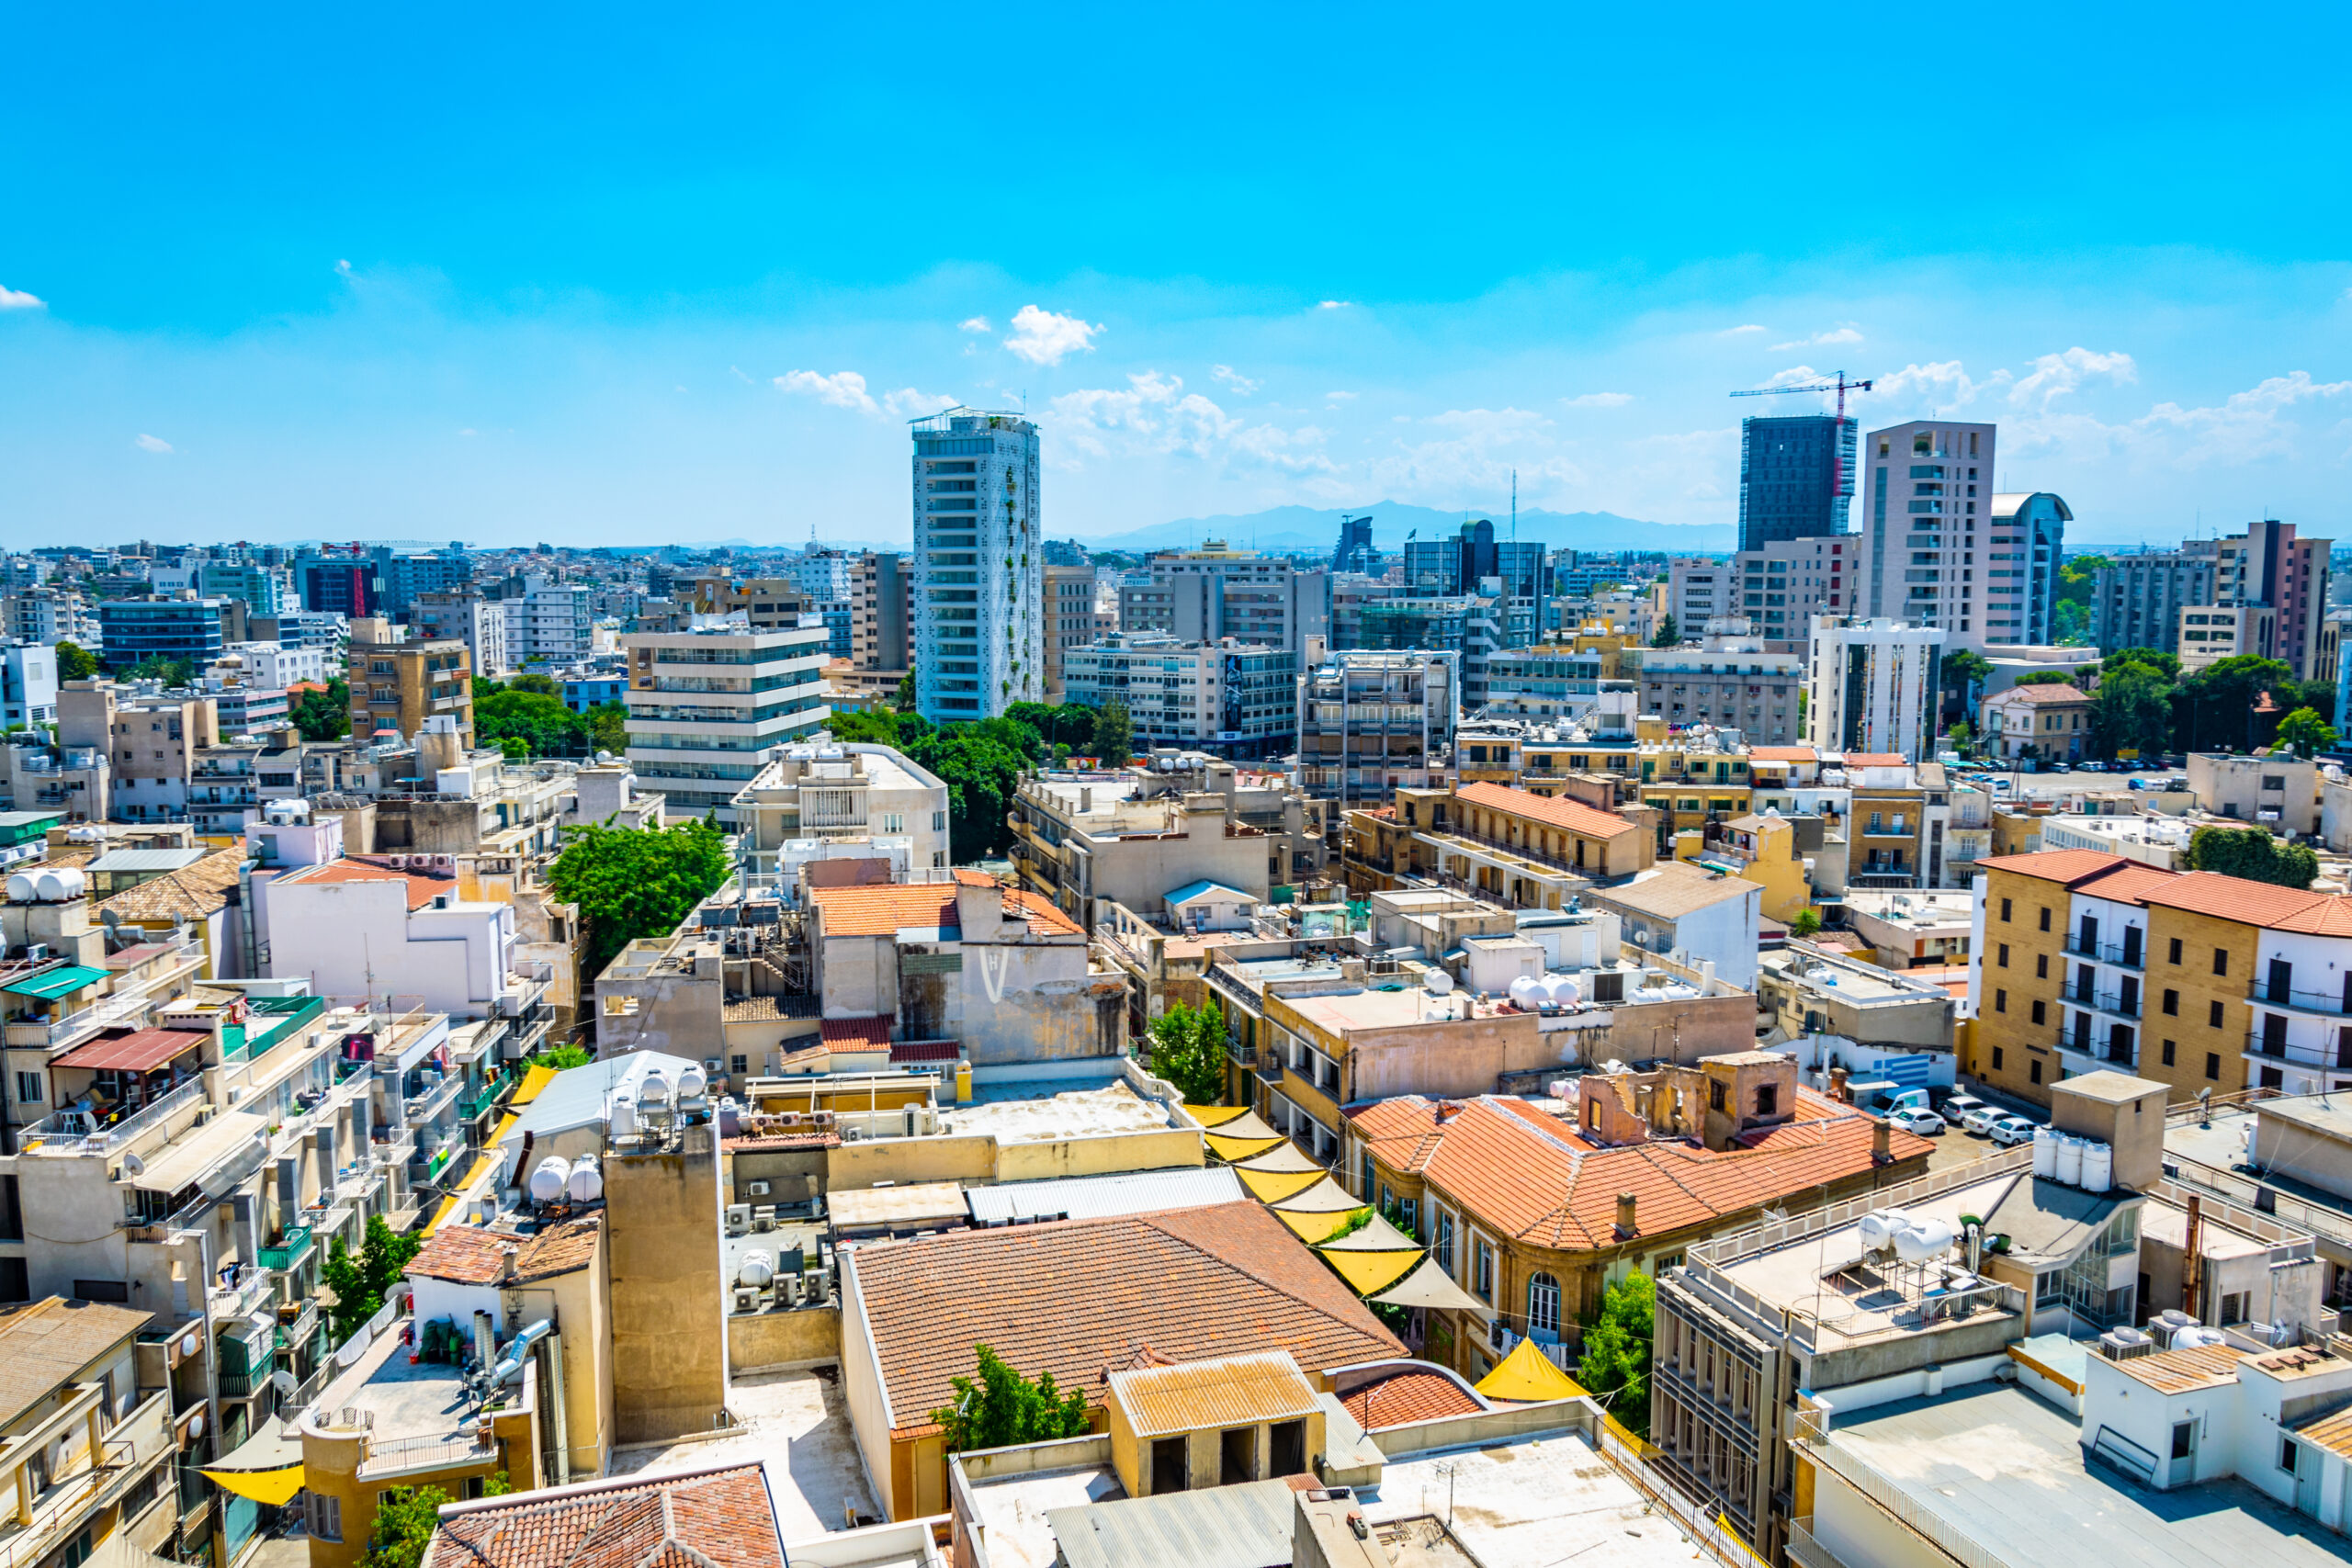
x=669, y=1337
x=762, y=1341
x=1111, y=1154
x=1054, y=1021
x=677, y=1014
x=950, y=1159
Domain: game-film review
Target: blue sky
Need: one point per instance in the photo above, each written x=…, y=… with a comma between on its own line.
x=594, y=276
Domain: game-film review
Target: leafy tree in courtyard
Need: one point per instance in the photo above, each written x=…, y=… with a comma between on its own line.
x=1668, y=634
x=563, y=1056
x=632, y=882
x=1962, y=673
x=322, y=716
x=608, y=728
x=998, y=1407
x=1114, y=735
x=903, y=699
x=981, y=773
x=1616, y=1366
x=2215, y=707
x=406, y=1518
x=2132, y=712
x=1188, y=1050
x=361, y=1283
x=76, y=663
x=2252, y=853
x=2046, y=678
x=2304, y=732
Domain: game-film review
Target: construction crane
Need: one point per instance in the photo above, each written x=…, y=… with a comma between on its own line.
x=1842, y=387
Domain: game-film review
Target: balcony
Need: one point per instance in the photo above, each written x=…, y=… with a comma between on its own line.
x=2132, y=956
x=2323, y=1004
x=1240, y=1055
x=1269, y=1069
x=54, y=1138
x=290, y=1250
x=422, y=1107
x=2091, y=996
x=2334, y=1056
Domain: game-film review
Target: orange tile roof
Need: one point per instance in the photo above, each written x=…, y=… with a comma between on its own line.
x=884, y=912
x=856, y=1033
x=422, y=890
x=1523, y=1171
x=2044, y=693
x=719, y=1519
x=2130, y=882
x=1401, y=1132
x=1782, y=754
x=470, y=1255
x=1877, y=760
x=1402, y=1398
x=2064, y=867
x=2259, y=904
x=1557, y=810
x=1082, y=1298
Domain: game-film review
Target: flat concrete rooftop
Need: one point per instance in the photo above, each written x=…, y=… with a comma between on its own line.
x=1041, y=1109
x=794, y=1424
x=1997, y=1466
x=426, y=1400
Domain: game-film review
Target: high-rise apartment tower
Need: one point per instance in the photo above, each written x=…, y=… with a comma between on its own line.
x=979, y=564
x=1796, y=475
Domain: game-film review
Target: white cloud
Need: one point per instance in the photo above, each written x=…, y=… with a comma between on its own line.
x=469, y=430
x=737, y=371
x=1338, y=396
x=1846, y=334
x=1154, y=415
x=342, y=269
x=1599, y=400
x=1735, y=332
x=1942, y=388
x=18, y=299
x=974, y=324
x=2056, y=375
x=1043, y=337
x=846, y=389
x=1334, y=304
x=155, y=444
x=1473, y=454
x=1226, y=375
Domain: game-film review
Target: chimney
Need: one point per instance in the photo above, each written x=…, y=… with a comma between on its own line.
x=1837, y=1089
x=1881, y=1142
x=1626, y=1229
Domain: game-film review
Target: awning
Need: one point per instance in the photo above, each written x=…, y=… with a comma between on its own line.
x=1249, y=1124
x=179, y=1164
x=1367, y=1272
x=504, y=1127
x=1274, y=1186
x=1215, y=1115
x=1286, y=1157
x=1229, y=1148
x=480, y=1168
x=1311, y=1225
x=275, y=1487
x=266, y=1467
x=1427, y=1286
x=1377, y=1236
x=1326, y=1197
x=533, y=1082
x=51, y=984
x=1527, y=1375
x=140, y=1051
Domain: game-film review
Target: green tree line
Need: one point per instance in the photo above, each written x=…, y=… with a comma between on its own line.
x=981, y=762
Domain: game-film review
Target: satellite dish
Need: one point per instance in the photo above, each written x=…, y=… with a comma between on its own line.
x=134, y=1166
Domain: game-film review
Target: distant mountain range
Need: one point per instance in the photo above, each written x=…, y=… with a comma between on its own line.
x=1310, y=528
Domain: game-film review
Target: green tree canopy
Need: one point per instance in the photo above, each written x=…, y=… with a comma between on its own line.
x=1115, y=735
x=1668, y=634
x=1616, y=1366
x=2214, y=707
x=525, y=720
x=998, y=1408
x=2046, y=678
x=632, y=881
x=2253, y=853
x=76, y=663
x=406, y=1518
x=322, y=716
x=2165, y=664
x=1188, y=1050
x=981, y=773
x=2132, y=712
x=2304, y=732
x=1808, y=924
x=361, y=1283
x=564, y=1057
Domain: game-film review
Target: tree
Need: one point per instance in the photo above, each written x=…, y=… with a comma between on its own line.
x=636, y=882
x=2304, y=732
x=324, y=715
x=608, y=728
x=982, y=774
x=406, y=1518
x=2132, y=712
x=76, y=663
x=1114, y=735
x=2165, y=664
x=903, y=699
x=1669, y=635
x=536, y=684
x=1964, y=672
x=156, y=667
x=1616, y=1365
x=525, y=720
x=999, y=1408
x=1188, y=1050
x=2215, y=707
x=2046, y=678
x=1806, y=924
x=361, y=1283
x=2252, y=853
x=563, y=1057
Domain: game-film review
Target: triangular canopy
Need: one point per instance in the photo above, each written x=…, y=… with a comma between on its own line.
x=1326, y=1197
x=1274, y=1186
x=1370, y=1271
x=1249, y=1124
x=1311, y=1225
x=1233, y=1149
x=1285, y=1157
x=1527, y=1375
x=1427, y=1286
x=1215, y=1115
x=1377, y=1236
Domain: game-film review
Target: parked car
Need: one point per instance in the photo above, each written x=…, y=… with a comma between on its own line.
x=2008, y=1131
x=1980, y=1121
x=1926, y=1123
x=2093, y=767
x=1956, y=1107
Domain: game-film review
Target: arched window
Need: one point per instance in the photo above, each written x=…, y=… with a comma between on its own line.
x=1544, y=1306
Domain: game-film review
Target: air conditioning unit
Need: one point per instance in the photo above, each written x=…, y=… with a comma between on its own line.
x=444, y=862
x=739, y=1218
x=763, y=1217
x=710, y=1064
x=756, y=1188
x=745, y=1300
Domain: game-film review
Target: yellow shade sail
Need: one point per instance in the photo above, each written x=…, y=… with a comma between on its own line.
x=1311, y=1225
x=1215, y=1115
x=1377, y=1235
x=275, y=1487
x=1284, y=1155
x=1526, y=1376
x=1371, y=1272
x=1231, y=1149
x=533, y=1082
x=1274, y=1186
x=1326, y=1197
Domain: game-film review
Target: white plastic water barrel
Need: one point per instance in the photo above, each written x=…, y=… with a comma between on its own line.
x=1923, y=1239
x=624, y=1118
x=549, y=1177
x=692, y=1081
x=586, y=1183
x=1527, y=992
x=2069, y=1160
x=1879, y=1226
x=2045, y=1153
x=654, y=1088
x=2099, y=1166
x=756, y=1269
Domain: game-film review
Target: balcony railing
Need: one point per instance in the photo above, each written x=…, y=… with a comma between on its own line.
x=425, y=1107
x=101, y=1014
x=2097, y=1001
x=290, y=1251
x=55, y=1139
x=2327, y=1003
x=425, y=1453
x=2132, y=957
x=2331, y=1056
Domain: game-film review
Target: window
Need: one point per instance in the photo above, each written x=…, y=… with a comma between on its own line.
x=2004, y=959
x=2287, y=1454
x=1443, y=1250
x=2213, y=1066
x=2035, y=1066
x=1768, y=1100
x=939, y=821
x=2045, y=920
x=2041, y=1011
x=2214, y=1015
x=114, y=1290
x=2041, y=966
x=1543, y=1306
x=1714, y=1096
x=1483, y=1282
x=2169, y=1053
x=1997, y=1058
x=2173, y=954
x=2234, y=1306
x=2221, y=961
x=2004, y=909
x=2172, y=1004
x=28, y=1088
x=2000, y=1001
x=741, y=1064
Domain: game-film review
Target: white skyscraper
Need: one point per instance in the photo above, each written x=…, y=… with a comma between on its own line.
x=1926, y=543
x=1873, y=687
x=979, y=564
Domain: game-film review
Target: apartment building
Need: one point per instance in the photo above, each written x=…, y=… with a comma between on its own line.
x=882, y=620
x=2088, y=961
x=1700, y=589
x=28, y=685
x=51, y=616
x=272, y=666
x=1370, y=723
x=1897, y=820
x=979, y=633
x=2281, y=793
x=1554, y=681
x=1070, y=622
x=1231, y=698
x=2045, y=723
x=2136, y=599
x=397, y=687
x=549, y=625
x=196, y=630
x=1876, y=685
x=153, y=738
x=1796, y=478
x=464, y=616
x=1701, y=913
x=706, y=702
x=823, y=575
x=1928, y=511
x=817, y=795
x=1726, y=679
x=1478, y=625
x=1215, y=592
x=2026, y=549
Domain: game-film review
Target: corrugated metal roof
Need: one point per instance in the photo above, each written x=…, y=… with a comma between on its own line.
x=50, y=983
x=1217, y=1527
x=1103, y=1197
x=1232, y=1390
x=147, y=859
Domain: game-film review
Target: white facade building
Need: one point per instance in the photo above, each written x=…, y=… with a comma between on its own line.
x=550, y=625
x=28, y=683
x=1873, y=687
x=824, y=575
x=274, y=667
x=1232, y=698
x=979, y=564
x=706, y=705
x=816, y=795
x=1926, y=539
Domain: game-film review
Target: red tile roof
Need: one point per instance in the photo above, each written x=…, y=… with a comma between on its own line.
x=716, y=1518
x=1782, y=754
x=422, y=890
x=140, y=1051
x=872, y=1034
x=1527, y=1173
x=470, y=1255
x=1080, y=1298
x=907, y=1051
x=2066, y=867
x=1877, y=760
x=884, y=912
x=1557, y=810
x=1402, y=1398
x=1401, y=1132
x=2257, y=904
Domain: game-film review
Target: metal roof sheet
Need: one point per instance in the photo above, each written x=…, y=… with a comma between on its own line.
x=1103, y=1197
x=1231, y=1391
x=50, y=983
x=147, y=859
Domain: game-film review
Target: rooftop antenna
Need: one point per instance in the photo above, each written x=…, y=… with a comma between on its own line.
x=1514, y=506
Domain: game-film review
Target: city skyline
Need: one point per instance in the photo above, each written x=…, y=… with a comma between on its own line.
x=466, y=303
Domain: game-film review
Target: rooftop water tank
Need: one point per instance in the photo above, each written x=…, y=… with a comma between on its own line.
x=1878, y=1227
x=1439, y=982
x=2194, y=1336
x=22, y=889
x=654, y=1088
x=2099, y=1166
x=1527, y=991
x=756, y=1269
x=623, y=1117
x=2069, y=1160
x=692, y=1081
x=1922, y=1239
x=1562, y=990
x=2045, y=1153
x=549, y=1177
x=586, y=1183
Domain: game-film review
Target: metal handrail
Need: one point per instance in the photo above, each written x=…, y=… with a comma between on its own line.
x=106, y=1140
x=2329, y=1002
